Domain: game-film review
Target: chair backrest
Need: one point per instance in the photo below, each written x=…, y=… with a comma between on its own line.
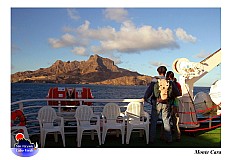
x=46, y=116
x=111, y=111
x=83, y=115
x=135, y=110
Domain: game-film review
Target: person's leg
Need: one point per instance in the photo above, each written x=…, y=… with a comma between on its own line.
x=175, y=118
x=162, y=137
x=154, y=117
x=166, y=115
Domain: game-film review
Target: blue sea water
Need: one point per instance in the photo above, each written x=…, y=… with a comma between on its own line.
x=22, y=91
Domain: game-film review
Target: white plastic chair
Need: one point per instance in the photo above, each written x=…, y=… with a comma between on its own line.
x=137, y=118
x=47, y=117
x=14, y=131
x=83, y=116
x=112, y=119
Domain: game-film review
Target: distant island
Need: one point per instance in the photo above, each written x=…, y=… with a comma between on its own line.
x=96, y=70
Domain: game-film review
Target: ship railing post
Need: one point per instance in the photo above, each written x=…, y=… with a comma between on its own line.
x=59, y=108
x=210, y=120
x=21, y=106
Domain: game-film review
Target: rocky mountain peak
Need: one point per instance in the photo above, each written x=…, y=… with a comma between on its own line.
x=99, y=63
x=59, y=62
x=98, y=59
x=94, y=57
x=96, y=70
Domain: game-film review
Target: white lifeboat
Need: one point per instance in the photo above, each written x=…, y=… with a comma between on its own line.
x=215, y=94
x=203, y=103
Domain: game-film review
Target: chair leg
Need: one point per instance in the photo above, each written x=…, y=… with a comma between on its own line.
x=56, y=136
x=92, y=134
x=99, y=136
x=104, y=132
x=63, y=138
x=77, y=135
x=44, y=138
x=123, y=133
x=79, y=138
x=41, y=139
x=128, y=134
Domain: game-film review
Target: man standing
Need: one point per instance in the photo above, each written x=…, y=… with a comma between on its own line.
x=158, y=107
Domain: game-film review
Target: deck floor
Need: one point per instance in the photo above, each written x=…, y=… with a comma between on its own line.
x=200, y=139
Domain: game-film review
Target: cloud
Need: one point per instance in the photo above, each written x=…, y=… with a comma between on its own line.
x=182, y=35
x=104, y=33
x=156, y=64
x=132, y=39
x=116, y=14
x=80, y=51
x=65, y=41
x=128, y=38
x=202, y=54
x=73, y=14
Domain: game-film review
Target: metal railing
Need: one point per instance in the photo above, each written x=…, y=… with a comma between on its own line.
x=31, y=111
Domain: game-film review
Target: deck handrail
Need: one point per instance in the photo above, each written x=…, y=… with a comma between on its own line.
x=23, y=107
x=84, y=100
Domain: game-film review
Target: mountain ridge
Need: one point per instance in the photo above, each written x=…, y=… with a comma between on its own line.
x=95, y=70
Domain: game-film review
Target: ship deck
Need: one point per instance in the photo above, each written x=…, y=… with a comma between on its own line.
x=200, y=139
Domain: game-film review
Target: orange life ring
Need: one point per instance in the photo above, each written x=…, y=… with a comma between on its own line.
x=18, y=114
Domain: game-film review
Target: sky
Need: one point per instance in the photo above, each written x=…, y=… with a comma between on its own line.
x=138, y=39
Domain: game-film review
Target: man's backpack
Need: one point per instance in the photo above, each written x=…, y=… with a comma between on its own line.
x=161, y=89
x=164, y=90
